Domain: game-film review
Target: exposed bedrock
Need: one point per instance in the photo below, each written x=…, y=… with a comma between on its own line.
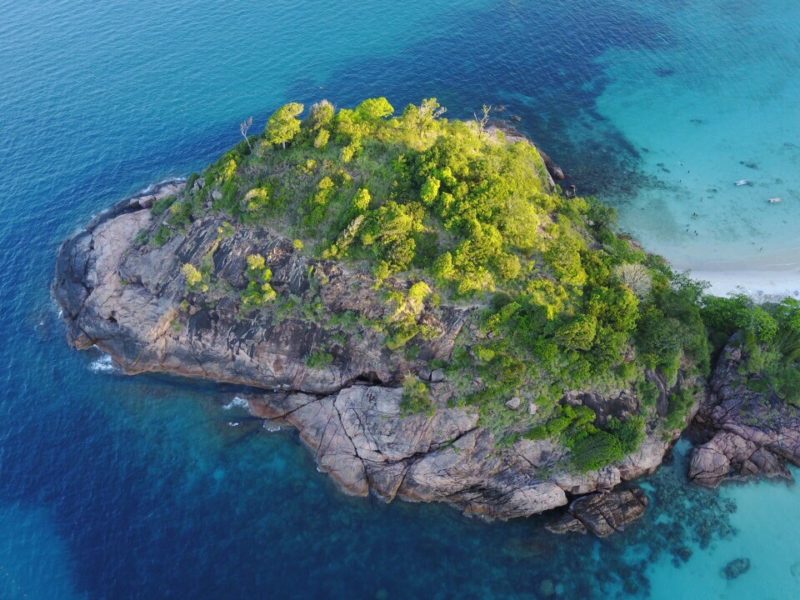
x=130, y=300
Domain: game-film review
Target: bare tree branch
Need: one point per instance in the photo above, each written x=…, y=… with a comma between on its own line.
x=244, y=127
x=483, y=120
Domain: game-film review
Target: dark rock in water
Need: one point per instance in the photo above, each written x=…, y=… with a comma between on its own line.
x=749, y=164
x=555, y=171
x=602, y=514
x=566, y=524
x=736, y=567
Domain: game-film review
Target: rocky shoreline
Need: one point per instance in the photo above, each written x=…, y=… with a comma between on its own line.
x=129, y=302
x=745, y=433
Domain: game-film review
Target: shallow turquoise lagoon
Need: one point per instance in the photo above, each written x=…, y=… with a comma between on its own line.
x=148, y=487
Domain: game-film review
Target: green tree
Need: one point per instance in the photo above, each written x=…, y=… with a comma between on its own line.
x=374, y=109
x=579, y=333
x=284, y=125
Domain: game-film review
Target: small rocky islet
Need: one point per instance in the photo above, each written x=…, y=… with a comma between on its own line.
x=439, y=321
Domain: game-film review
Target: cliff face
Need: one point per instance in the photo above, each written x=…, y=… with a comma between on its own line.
x=130, y=300
x=750, y=433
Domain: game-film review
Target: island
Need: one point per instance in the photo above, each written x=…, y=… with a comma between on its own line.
x=436, y=317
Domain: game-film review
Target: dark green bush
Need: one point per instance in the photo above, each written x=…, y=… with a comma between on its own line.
x=161, y=206
x=680, y=403
x=595, y=451
x=630, y=432
x=162, y=235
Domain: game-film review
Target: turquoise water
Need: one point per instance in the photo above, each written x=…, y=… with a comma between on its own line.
x=148, y=487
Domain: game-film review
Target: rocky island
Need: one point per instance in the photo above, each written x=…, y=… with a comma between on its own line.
x=436, y=318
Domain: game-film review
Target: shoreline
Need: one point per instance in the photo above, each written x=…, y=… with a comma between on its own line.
x=759, y=284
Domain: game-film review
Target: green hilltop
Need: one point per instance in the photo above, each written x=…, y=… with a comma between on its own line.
x=450, y=212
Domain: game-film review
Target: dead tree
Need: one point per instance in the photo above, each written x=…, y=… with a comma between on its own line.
x=483, y=120
x=244, y=127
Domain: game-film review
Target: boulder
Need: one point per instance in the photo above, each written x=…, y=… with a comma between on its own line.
x=602, y=513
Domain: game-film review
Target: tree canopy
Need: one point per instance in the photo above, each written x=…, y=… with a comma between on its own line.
x=446, y=211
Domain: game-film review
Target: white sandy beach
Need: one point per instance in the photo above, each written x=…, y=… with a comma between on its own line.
x=761, y=285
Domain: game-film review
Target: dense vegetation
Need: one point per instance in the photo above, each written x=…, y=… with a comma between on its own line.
x=769, y=336
x=465, y=216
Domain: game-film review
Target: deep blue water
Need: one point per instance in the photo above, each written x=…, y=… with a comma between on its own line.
x=117, y=487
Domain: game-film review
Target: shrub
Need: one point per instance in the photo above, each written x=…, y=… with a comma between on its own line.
x=162, y=235
x=373, y=109
x=319, y=359
x=259, y=291
x=630, y=433
x=160, y=206
x=579, y=333
x=680, y=403
x=595, y=451
x=416, y=396
x=194, y=278
x=322, y=138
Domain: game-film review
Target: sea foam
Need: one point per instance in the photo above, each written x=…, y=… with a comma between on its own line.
x=237, y=402
x=104, y=364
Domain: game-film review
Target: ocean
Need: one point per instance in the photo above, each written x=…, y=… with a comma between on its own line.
x=153, y=487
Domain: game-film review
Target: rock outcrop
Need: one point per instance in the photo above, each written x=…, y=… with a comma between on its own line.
x=129, y=298
x=602, y=513
x=750, y=433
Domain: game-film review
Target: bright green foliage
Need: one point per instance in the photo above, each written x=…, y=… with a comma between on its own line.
x=769, y=336
x=161, y=206
x=430, y=189
x=257, y=201
x=416, y=396
x=259, y=291
x=322, y=138
x=194, y=278
x=180, y=215
x=404, y=323
x=284, y=124
x=362, y=201
x=389, y=233
x=162, y=236
x=374, y=109
x=725, y=316
x=225, y=231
